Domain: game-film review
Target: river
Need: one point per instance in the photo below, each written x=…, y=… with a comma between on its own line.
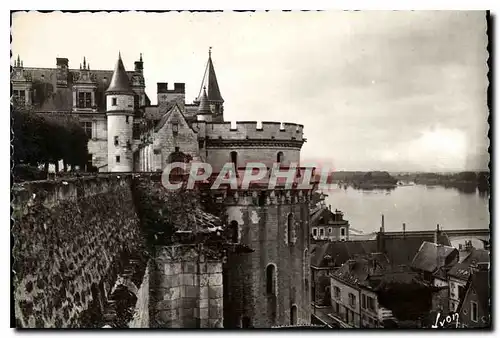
x=420, y=207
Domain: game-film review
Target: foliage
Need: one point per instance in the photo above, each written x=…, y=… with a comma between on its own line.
x=47, y=139
x=161, y=211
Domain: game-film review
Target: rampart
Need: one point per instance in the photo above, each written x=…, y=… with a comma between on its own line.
x=250, y=130
x=72, y=239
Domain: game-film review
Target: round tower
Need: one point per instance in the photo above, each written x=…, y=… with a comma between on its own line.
x=120, y=115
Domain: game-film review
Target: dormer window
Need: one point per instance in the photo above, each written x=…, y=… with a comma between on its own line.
x=20, y=95
x=85, y=100
x=113, y=101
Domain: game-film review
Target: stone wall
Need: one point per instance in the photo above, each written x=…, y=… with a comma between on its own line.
x=70, y=241
x=141, y=312
x=186, y=288
x=219, y=156
x=264, y=229
x=166, y=141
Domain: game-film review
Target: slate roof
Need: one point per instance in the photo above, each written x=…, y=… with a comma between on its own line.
x=340, y=252
x=431, y=257
x=358, y=271
x=204, y=106
x=326, y=216
x=48, y=97
x=167, y=115
x=210, y=83
x=120, y=83
x=399, y=250
x=462, y=270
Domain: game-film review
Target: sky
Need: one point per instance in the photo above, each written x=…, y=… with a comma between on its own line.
x=395, y=91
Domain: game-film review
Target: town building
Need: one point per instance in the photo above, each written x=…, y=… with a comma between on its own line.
x=397, y=251
x=328, y=225
x=474, y=310
x=459, y=274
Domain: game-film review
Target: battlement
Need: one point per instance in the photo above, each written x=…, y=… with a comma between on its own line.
x=242, y=130
x=179, y=88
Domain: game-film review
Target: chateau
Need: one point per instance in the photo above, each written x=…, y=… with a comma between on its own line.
x=265, y=288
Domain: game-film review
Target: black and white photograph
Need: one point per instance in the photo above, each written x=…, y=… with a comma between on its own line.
x=245, y=170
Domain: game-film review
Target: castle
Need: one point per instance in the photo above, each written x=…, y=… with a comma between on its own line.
x=270, y=286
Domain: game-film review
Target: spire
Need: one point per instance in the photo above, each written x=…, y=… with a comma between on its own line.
x=84, y=63
x=204, y=107
x=210, y=82
x=140, y=58
x=120, y=81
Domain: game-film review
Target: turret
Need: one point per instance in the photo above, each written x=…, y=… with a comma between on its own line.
x=210, y=84
x=120, y=114
x=204, y=111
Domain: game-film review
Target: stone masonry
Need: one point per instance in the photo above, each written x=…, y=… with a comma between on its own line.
x=188, y=289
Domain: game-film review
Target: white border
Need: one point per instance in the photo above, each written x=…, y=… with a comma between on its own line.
x=186, y=5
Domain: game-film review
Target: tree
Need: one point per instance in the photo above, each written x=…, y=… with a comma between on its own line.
x=38, y=139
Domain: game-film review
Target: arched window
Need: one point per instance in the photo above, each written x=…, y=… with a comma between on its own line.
x=234, y=159
x=271, y=279
x=233, y=226
x=290, y=228
x=279, y=157
x=293, y=315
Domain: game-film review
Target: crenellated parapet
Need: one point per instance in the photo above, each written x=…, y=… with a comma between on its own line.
x=250, y=130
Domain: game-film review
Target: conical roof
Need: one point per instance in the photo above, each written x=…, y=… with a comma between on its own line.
x=210, y=83
x=119, y=82
x=204, y=105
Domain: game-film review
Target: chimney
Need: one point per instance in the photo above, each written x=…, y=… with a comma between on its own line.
x=139, y=65
x=62, y=72
x=436, y=234
x=404, y=229
x=381, y=241
x=440, y=256
x=382, y=228
x=330, y=207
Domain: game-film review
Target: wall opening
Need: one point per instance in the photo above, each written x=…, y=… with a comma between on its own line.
x=271, y=279
x=279, y=157
x=245, y=322
x=233, y=226
x=290, y=228
x=305, y=269
x=234, y=159
x=293, y=315
x=262, y=198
